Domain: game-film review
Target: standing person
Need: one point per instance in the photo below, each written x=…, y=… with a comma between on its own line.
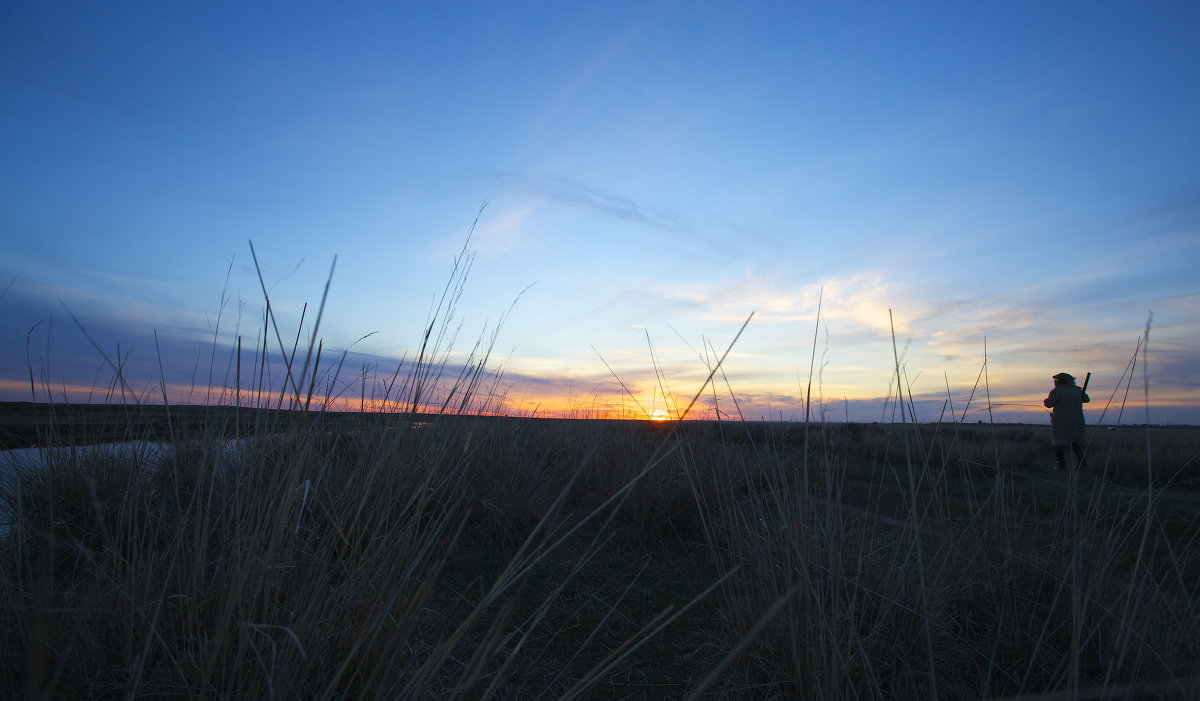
x=1066, y=401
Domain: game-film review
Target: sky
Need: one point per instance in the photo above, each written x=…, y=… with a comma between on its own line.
x=983, y=194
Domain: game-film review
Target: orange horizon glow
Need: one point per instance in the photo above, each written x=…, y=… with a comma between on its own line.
x=615, y=405
x=659, y=415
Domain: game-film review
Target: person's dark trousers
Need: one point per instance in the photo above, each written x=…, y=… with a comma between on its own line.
x=1060, y=456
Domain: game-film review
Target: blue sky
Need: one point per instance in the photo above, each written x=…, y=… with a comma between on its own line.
x=1020, y=172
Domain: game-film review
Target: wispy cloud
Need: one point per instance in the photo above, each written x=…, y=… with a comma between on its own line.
x=579, y=195
x=716, y=244
x=504, y=230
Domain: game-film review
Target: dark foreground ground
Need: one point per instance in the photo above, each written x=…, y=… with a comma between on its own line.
x=351, y=556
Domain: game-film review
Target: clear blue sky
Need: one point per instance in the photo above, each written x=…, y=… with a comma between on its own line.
x=1024, y=172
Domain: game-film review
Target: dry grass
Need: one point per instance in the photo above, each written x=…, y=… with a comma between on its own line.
x=453, y=556
x=519, y=555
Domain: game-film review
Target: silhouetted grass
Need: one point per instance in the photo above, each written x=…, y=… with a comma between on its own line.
x=444, y=555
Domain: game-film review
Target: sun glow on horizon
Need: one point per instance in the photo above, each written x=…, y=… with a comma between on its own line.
x=659, y=415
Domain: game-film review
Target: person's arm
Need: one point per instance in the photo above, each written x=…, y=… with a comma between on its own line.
x=1086, y=398
x=1051, y=399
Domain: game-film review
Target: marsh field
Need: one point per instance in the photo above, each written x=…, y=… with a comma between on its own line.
x=265, y=546
x=277, y=554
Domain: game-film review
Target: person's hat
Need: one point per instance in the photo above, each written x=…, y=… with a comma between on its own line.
x=1063, y=377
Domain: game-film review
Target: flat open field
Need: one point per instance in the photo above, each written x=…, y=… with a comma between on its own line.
x=343, y=556
x=29, y=424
